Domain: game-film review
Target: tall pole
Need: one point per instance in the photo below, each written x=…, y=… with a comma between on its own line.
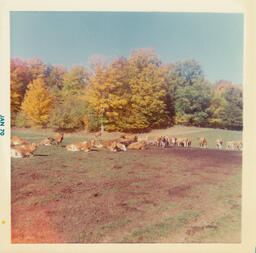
x=102, y=125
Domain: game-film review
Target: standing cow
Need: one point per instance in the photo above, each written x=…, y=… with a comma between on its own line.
x=203, y=142
x=219, y=143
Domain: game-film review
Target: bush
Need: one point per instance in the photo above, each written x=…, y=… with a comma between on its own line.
x=68, y=115
x=21, y=120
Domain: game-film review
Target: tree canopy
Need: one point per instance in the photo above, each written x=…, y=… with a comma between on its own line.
x=132, y=94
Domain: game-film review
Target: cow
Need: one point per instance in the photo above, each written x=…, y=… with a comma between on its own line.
x=203, y=142
x=78, y=146
x=128, y=139
x=138, y=145
x=87, y=146
x=142, y=138
x=152, y=140
x=81, y=146
x=182, y=142
x=219, y=143
x=97, y=135
x=239, y=145
x=231, y=145
x=15, y=140
x=164, y=141
x=47, y=141
x=59, y=138
x=173, y=141
x=112, y=145
x=25, y=150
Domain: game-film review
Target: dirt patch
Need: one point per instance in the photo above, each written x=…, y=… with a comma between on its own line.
x=133, y=196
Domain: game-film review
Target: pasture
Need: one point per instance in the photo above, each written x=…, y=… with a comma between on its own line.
x=162, y=195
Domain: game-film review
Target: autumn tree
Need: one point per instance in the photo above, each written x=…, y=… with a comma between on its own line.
x=151, y=107
x=19, y=79
x=37, y=102
x=131, y=94
x=227, y=106
x=36, y=68
x=54, y=75
x=108, y=93
x=74, y=80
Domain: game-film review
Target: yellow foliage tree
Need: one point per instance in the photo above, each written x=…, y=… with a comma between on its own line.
x=37, y=102
x=131, y=94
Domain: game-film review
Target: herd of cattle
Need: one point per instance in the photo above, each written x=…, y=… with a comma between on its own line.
x=20, y=149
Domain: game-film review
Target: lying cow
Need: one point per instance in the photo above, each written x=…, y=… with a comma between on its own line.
x=128, y=139
x=81, y=146
x=15, y=140
x=138, y=145
x=47, y=141
x=97, y=135
x=112, y=145
x=26, y=150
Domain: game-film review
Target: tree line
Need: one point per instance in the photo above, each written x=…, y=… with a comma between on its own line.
x=133, y=94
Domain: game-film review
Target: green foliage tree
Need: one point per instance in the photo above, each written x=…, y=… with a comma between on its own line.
x=192, y=93
x=192, y=105
x=68, y=115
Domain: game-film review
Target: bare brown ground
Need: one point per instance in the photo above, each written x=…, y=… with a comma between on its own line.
x=107, y=196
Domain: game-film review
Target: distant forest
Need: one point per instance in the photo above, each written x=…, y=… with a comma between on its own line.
x=133, y=94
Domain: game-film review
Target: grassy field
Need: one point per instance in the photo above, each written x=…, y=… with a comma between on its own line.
x=157, y=195
x=193, y=133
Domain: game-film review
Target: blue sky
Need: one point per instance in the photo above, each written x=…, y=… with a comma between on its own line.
x=68, y=38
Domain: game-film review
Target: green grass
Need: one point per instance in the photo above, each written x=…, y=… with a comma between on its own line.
x=193, y=133
x=159, y=230
x=56, y=169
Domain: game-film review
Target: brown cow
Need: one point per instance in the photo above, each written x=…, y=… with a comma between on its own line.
x=47, y=141
x=164, y=141
x=87, y=146
x=15, y=140
x=58, y=138
x=202, y=142
x=138, y=145
x=231, y=145
x=98, y=134
x=182, y=142
x=239, y=145
x=112, y=145
x=173, y=141
x=81, y=146
x=25, y=150
x=128, y=139
x=219, y=143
